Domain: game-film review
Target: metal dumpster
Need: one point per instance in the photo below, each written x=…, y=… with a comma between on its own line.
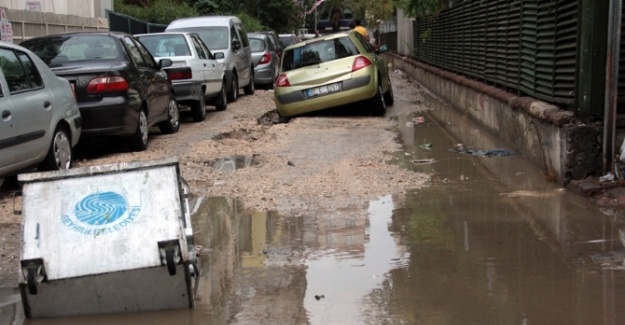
x=106, y=239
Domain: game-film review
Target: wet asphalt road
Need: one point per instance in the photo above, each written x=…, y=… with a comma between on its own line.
x=488, y=242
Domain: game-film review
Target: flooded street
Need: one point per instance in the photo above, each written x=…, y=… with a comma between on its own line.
x=489, y=241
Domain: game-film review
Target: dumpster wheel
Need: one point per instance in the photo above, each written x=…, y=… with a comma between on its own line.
x=31, y=279
x=169, y=259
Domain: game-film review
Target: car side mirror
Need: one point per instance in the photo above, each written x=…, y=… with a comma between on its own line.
x=236, y=44
x=164, y=63
x=219, y=55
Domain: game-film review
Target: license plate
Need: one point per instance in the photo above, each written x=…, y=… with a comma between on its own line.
x=323, y=90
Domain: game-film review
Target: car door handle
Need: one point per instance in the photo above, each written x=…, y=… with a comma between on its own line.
x=6, y=114
x=46, y=104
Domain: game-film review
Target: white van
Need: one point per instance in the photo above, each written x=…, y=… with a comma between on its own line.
x=227, y=39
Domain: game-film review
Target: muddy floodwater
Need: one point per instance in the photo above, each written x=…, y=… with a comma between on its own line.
x=489, y=241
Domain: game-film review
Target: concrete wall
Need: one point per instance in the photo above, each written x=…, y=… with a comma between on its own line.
x=545, y=134
x=82, y=8
x=404, y=33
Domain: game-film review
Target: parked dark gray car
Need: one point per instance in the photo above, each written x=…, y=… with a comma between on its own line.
x=265, y=58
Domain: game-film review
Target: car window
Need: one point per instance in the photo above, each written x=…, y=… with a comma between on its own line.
x=257, y=44
x=287, y=40
x=215, y=37
x=365, y=43
x=204, y=47
x=145, y=54
x=244, y=39
x=198, y=48
x=134, y=52
x=19, y=71
x=318, y=52
x=270, y=45
x=233, y=34
x=165, y=45
x=58, y=50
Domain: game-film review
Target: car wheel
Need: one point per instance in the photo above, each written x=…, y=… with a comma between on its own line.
x=59, y=155
x=378, y=106
x=172, y=124
x=389, y=98
x=234, y=89
x=222, y=101
x=198, y=109
x=139, y=140
x=282, y=119
x=249, y=89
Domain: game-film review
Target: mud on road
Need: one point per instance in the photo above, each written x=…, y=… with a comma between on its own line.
x=323, y=162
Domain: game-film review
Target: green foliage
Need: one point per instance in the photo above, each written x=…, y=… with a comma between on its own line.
x=155, y=11
x=419, y=8
x=279, y=15
x=251, y=24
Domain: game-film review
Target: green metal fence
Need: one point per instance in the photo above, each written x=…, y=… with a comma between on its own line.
x=526, y=46
x=123, y=23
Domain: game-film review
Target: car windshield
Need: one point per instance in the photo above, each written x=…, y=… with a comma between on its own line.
x=286, y=40
x=215, y=37
x=165, y=45
x=257, y=44
x=318, y=52
x=58, y=50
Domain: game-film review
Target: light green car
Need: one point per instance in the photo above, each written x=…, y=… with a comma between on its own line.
x=330, y=71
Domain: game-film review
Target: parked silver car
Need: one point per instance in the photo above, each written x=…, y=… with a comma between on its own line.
x=265, y=59
x=195, y=74
x=40, y=121
x=227, y=38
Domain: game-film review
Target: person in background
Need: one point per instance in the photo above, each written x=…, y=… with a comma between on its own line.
x=358, y=27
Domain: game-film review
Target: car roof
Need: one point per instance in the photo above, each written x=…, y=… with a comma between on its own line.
x=11, y=45
x=204, y=21
x=168, y=33
x=98, y=33
x=322, y=38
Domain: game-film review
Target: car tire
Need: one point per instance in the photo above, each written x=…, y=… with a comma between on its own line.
x=59, y=155
x=282, y=119
x=172, y=124
x=222, y=100
x=139, y=140
x=378, y=106
x=250, y=88
x=198, y=109
x=234, y=89
x=389, y=98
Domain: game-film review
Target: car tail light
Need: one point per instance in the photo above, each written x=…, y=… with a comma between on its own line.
x=360, y=62
x=282, y=81
x=107, y=84
x=266, y=58
x=178, y=74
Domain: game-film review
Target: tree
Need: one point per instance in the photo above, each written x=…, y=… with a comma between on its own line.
x=155, y=11
x=418, y=8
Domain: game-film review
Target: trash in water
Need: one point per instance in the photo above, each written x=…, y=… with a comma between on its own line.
x=460, y=148
x=609, y=177
x=423, y=161
x=426, y=146
x=409, y=124
x=419, y=119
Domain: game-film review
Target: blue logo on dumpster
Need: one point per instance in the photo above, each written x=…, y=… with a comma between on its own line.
x=101, y=213
x=101, y=208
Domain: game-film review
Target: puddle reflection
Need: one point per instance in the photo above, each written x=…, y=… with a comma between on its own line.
x=229, y=164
